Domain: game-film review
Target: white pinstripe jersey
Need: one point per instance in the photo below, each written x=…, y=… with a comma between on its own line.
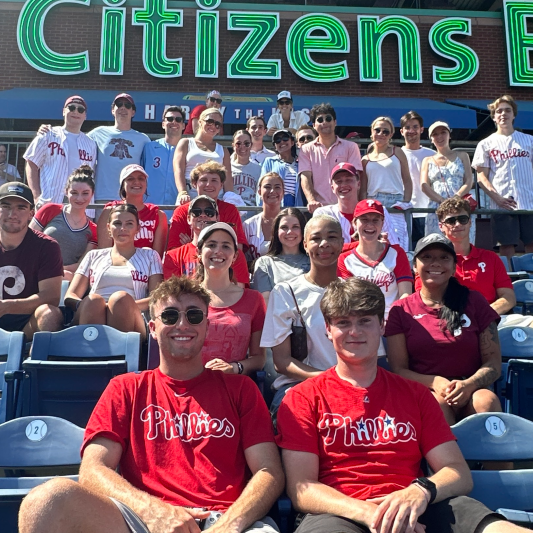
x=509, y=159
x=50, y=153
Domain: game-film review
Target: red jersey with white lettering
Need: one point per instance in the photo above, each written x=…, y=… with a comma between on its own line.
x=183, y=441
x=481, y=270
x=227, y=213
x=369, y=441
x=148, y=219
x=389, y=270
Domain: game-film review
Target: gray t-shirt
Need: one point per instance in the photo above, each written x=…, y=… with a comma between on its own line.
x=271, y=270
x=72, y=151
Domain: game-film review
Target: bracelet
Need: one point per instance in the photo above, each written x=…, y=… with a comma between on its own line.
x=181, y=193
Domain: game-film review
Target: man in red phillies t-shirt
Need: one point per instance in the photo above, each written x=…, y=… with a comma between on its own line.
x=192, y=444
x=353, y=438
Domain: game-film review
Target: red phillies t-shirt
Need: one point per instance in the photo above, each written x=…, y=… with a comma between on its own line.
x=481, y=270
x=36, y=258
x=183, y=441
x=369, y=441
x=183, y=261
x=434, y=351
x=195, y=113
x=227, y=213
x=148, y=220
x=230, y=328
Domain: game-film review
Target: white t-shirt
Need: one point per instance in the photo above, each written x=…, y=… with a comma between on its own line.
x=261, y=155
x=298, y=118
x=414, y=159
x=245, y=178
x=281, y=315
x=509, y=159
x=73, y=157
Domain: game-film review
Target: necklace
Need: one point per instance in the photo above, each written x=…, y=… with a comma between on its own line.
x=431, y=299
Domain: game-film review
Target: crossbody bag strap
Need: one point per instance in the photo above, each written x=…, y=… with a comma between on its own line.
x=297, y=308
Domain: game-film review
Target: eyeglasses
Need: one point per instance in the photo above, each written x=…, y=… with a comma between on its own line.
x=79, y=108
x=305, y=138
x=282, y=139
x=207, y=211
x=381, y=130
x=215, y=100
x=210, y=122
x=327, y=118
x=179, y=120
x=462, y=219
x=171, y=315
x=284, y=102
x=245, y=143
x=127, y=105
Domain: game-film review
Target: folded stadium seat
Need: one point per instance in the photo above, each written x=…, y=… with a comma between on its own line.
x=34, y=450
x=500, y=437
x=523, y=289
x=523, y=263
x=11, y=351
x=68, y=370
x=519, y=388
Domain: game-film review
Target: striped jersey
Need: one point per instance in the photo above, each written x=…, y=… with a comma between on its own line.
x=50, y=152
x=509, y=159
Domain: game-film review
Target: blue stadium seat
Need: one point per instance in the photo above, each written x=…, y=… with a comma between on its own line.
x=11, y=353
x=523, y=289
x=34, y=450
x=500, y=437
x=523, y=263
x=519, y=388
x=513, y=275
x=68, y=370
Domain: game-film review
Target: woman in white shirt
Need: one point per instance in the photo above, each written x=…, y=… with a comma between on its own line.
x=245, y=172
x=120, y=278
x=285, y=117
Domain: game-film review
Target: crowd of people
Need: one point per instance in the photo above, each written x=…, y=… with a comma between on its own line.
x=332, y=295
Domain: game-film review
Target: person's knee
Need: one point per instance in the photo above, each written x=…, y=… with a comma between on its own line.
x=120, y=300
x=48, y=317
x=485, y=401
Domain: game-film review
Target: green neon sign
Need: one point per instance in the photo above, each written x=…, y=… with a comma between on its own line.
x=244, y=63
x=112, y=40
x=33, y=47
x=519, y=42
x=465, y=59
x=372, y=31
x=156, y=17
x=317, y=33
x=207, y=39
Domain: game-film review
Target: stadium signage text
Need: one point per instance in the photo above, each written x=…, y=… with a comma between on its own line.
x=308, y=41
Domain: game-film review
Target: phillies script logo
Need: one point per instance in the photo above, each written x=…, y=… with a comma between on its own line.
x=382, y=279
x=84, y=156
x=498, y=156
x=139, y=276
x=370, y=432
x=55, y=148
x=186, y=427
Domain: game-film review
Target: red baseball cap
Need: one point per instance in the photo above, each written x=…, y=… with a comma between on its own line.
x=125, y=96
x=343, y=167
x=368, y=206
x=75, y=100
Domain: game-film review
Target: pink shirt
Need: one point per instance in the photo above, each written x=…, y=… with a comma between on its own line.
x=316, y=158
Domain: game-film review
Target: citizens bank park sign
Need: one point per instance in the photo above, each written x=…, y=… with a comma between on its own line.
x=308, y=42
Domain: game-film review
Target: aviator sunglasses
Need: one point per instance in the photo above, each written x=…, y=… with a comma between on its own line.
x=80, y=109
x=217, y=100
x=305, y=138
x=207, y=211
x=381, y=130
x=462, y=219
x=171, y=315
x=327, y=118
x=179, y=120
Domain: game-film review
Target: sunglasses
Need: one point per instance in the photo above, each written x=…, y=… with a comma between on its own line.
x=381, y=130
x=306, y=138
x=127, y=105
x=327, y=118
x=79, y=108
x=282, y=139
x=207, y=211
x=211, y=121
x=462, y=219
x=179, y=120
x=284, y=102
x=171, y=315
x=217, y=100
x=245, y=143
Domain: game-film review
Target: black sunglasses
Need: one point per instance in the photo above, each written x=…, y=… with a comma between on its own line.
x=245, y=143
x=327, y=118
x=207, y=211
x=217, y=100
x=306, y=138
x=381, y=130
x=283, y=138
x=171, y=315
x=179, y=120
x=284, y=102
x=462, y=219
x=79, y=108
x=211, y=121
x=127, y=105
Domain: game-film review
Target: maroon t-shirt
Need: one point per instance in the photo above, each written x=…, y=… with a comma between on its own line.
x=432, y=349
x=37, y=258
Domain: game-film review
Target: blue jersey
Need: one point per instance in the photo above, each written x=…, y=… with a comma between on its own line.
x=157, y=159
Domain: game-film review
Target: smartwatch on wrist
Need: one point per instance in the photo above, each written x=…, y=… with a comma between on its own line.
x=240, y=367
x=425, y=483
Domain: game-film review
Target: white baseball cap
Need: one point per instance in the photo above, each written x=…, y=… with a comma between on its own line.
x=438, y=124
x=128, y=170
x=284, y=94
x=217, y=226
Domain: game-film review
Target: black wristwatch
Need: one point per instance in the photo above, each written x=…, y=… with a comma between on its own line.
x=427, y=484
x=240, y=367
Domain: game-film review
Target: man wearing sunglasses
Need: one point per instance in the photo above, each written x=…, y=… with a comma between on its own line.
x=305, y=134
x=318, y=158
x=193, y=444
x=183, y=261
x=55, y=153
x=478, y=269
x=285, y=117
x=157, y=159
x=213, y=100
